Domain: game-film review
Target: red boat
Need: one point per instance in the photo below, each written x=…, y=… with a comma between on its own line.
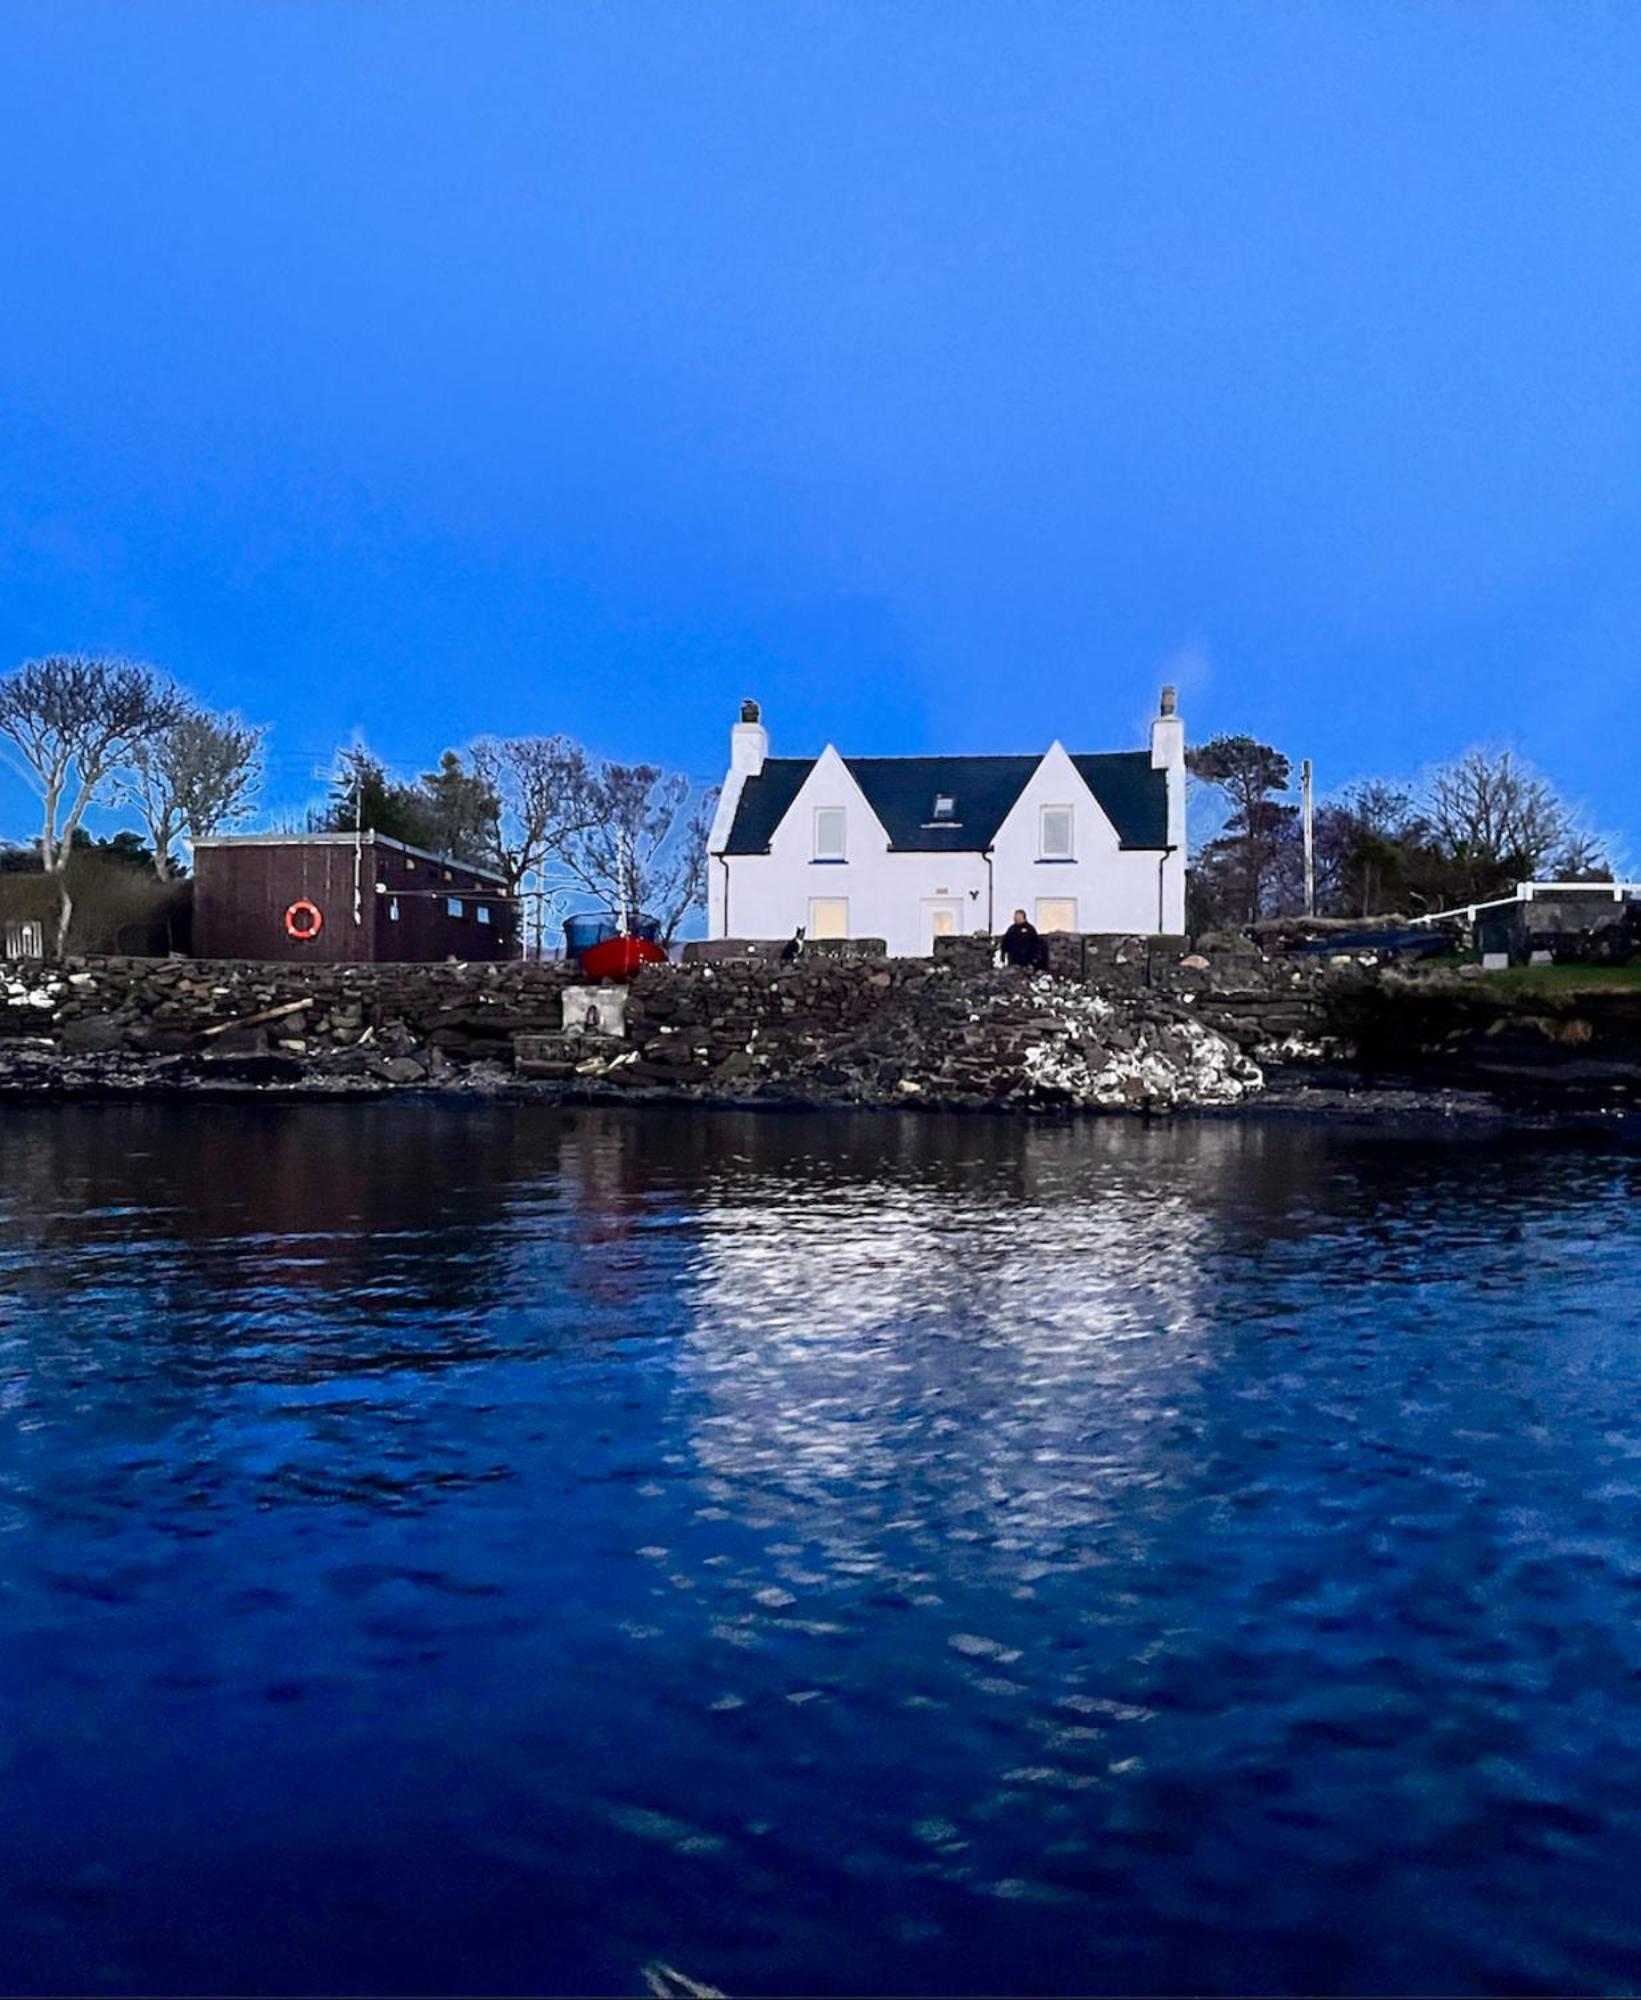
x=620, y=957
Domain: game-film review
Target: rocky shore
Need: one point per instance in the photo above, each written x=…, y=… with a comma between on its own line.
x=1135, y=1024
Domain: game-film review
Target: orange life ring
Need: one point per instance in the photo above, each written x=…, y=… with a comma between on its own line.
x=304, y=921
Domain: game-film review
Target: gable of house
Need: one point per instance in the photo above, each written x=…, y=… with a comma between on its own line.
x=903, y=793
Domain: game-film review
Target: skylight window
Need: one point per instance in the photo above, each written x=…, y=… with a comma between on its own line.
x=943, y=812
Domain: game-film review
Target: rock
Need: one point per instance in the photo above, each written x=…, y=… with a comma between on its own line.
x=237, y=1042
x=92, y=1034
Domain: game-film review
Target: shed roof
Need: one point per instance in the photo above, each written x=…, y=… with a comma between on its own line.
x=369, y=838
x=902, y=792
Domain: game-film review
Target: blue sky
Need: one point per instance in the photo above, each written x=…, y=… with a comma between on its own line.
x=948, y=375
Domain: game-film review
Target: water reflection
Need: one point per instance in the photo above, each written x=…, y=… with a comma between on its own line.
x=492, y=1548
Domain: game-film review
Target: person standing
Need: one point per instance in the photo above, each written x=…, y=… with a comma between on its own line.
x=1022, y=945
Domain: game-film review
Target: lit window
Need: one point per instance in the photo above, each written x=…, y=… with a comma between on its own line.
x=943, y=923
x=829, y=916
x=1056, y=913
x=829, y=833
x=454, y=906
x=483, y=913
x=410, y=866
x=1056, y=833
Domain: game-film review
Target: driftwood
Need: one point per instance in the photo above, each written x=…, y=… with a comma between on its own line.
x=256, y=1020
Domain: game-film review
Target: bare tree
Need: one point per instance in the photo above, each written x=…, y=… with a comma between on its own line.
x=196, y=777
x=1583, y=858
x=542, y=797
x=76, y=720
x=644, y=849
x=1495, y=821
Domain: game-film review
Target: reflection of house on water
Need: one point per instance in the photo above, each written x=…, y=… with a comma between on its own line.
x=986, y=1330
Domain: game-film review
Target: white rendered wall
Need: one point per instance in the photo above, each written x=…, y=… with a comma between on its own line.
x=1168, y=754
x=1113, y=890
x=769, y=895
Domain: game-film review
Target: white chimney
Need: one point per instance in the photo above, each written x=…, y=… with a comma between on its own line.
x=1168, y=754
x=748, y=742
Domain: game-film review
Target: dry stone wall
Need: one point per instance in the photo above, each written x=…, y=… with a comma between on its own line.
x=1115, y=1021
x=828, y=1028
x=392, y=1024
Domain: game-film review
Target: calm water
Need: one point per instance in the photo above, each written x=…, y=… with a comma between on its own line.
x=495, y=1549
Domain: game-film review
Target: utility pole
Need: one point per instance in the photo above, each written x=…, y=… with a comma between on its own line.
x=1309, y=819
x=358, y=843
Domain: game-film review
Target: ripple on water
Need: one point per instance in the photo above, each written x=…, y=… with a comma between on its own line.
x=495, y=1549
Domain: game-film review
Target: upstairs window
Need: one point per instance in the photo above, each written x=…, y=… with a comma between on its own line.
x=1056, y=834
x=829, y=833
x=943, y=812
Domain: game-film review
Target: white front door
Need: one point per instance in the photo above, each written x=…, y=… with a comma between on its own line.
x=942, y=917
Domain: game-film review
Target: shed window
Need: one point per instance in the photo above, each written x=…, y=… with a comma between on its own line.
x=1057, y=824
x=483, y=913
x=454, y=907
x=830, y=833
x=829, y=916
x=393, y=909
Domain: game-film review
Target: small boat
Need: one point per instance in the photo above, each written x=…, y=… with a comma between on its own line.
x=621, y=956
x=612, y=947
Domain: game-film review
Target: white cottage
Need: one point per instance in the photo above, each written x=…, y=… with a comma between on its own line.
x=909, y=849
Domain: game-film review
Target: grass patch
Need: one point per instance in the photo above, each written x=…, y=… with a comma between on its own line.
x=1561, y=981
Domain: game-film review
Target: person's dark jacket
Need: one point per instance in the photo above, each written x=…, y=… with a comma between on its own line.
x=1023, y=946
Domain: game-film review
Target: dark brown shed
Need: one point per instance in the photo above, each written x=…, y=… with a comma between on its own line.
x=377, y=900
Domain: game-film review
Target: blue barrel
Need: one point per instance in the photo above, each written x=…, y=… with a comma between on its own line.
x=583, y=932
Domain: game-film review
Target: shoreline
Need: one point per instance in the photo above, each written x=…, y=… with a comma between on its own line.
x=1294, y=1094
x=1148, y=1031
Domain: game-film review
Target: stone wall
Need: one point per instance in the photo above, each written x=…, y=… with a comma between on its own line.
x=824, y=1029
x=396, y=1023
x=1117, y=1020
x=1274, y=1006
x=901, y=1030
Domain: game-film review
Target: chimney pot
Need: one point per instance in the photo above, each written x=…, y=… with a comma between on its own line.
x=1170, y=701
x=750, y=712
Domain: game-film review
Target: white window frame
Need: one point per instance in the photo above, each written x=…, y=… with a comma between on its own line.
x=840, y=850
x=1045, y=851
x=454, y=907
x=818, y=903
x=1046, y=903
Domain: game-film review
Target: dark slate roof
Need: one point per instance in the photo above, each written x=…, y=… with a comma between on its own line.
x=1135, y=796
x=901, y=791
x=764, y=801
